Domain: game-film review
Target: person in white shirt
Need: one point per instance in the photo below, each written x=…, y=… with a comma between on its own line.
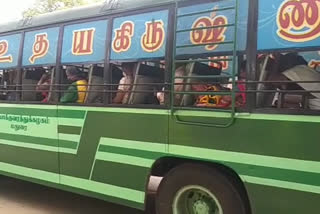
x=125, y=84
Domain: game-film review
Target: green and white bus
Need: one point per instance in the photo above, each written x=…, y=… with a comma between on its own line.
x=216, y=100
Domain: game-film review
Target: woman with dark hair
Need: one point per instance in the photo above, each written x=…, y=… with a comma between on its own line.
x=76, y=92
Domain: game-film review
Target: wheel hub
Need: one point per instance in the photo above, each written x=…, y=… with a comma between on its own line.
x=196, y=200
x=201, y=207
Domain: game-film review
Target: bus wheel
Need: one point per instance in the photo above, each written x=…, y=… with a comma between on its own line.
x=196, y=189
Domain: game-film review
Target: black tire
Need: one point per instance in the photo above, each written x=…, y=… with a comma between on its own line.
x=219, y=185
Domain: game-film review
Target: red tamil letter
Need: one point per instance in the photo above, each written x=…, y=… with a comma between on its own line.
x=4, y=47
x=123, y=36
x=153, y=38
x=40, y=47
x=82, y=42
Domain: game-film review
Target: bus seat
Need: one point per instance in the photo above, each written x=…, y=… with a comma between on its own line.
x=95, y=90
x=305, y=73
x=138, y=97
x=187, y=99
x=194, y=70
x=29, y=90
x=145, y=74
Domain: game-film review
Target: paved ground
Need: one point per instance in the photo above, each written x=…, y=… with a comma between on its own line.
x=18, y=197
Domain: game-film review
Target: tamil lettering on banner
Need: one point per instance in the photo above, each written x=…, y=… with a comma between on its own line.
x=299, y=20
x=139, y=36
x=40, y=47
x=4, y=47
x=82, y=41
x=153, y=38
x=123, y=37
x=209, y=31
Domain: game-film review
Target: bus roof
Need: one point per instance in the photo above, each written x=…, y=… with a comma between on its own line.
x=100, y=9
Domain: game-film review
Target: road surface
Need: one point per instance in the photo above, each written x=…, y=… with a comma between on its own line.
x=19, y=197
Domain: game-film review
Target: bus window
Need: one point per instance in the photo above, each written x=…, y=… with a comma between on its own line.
x=8, y=85
x=140, y=83
x=288, y=81
x=95, y=85
x=208, y=85
x=37, y=84
x=75, y=84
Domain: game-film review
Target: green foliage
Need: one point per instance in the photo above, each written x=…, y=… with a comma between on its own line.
x=47, y=6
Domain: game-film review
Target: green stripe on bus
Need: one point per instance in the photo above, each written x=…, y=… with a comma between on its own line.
x=281, y=184
x=118, y=110
x=124, y=159
x=132, y=144
x=29, y=139
x=40, y=112
x=130, y=152
x=30, y=146
x=217, y=155
x=69, y=129
x=308, y=178
x=68, y=151
x=71, y=114
x=143, y=159
x=28, y=172
x=255, y=116
x=107, y=189
x=68, y=144
x=23, y=139
x=245, y=158
x=70, y=121
x=69, y=137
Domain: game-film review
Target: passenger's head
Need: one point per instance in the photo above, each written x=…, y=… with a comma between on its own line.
x=128, y=67
x=73, y=73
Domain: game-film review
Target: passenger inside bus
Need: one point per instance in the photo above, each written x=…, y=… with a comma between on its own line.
x=11, y=79
x=140, y=83
x=288, y=67
x=148, y=80
x=178, y=85
x=30, y=79
x=76, y=92
x=43, y=86
x=125, y=84
x=241, y=96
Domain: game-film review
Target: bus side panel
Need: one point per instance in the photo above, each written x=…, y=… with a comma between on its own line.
x=28, y=142
x=268, y=199
x=277, y=156
x=115, y=151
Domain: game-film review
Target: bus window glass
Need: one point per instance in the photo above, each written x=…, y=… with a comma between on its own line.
x=138, y=51
x=288, y=80
x=8, y=85
x=207, y=45
x=37, y=84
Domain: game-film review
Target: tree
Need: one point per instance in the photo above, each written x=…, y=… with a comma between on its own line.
x=47, y=6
